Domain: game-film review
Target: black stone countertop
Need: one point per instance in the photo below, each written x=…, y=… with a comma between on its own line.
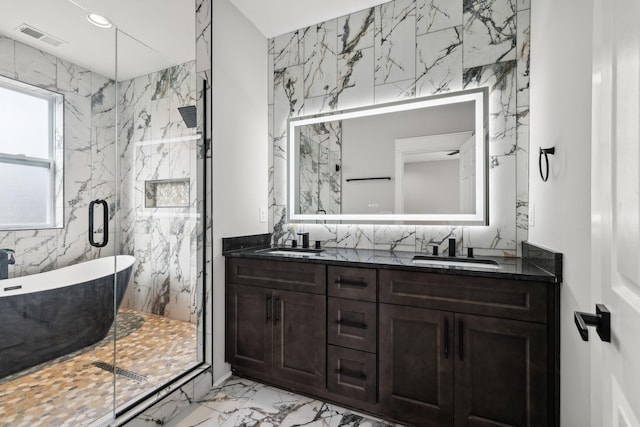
x=510, y=268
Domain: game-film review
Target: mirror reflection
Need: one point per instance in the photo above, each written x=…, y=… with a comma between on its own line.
x=424, y=162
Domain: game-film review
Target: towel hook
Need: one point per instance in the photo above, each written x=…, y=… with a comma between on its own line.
x=545, y=152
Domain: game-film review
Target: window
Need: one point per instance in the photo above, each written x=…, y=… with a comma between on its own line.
x=31, y=156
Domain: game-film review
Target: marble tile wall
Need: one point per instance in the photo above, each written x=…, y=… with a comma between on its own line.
x=89, y=125
x=405, y=49
x=157, y=145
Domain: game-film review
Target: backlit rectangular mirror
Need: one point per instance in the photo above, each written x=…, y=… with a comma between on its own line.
x=421, y=161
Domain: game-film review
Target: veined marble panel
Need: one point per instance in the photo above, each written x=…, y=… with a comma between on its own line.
x=355, y=31
x=320, y=57
x=354, y=236
x=35, y=67
x=77, y=178
x=73, y=243
x=436, y=15
x=7, y=57
x=287, y=49
x=203, y=35
x=439, y=62
x=501, y=81
x=501, y=232
x=394, y=238
x=523, y=4
x=395, y=37
x=395, y=91
x=77, y=122
x=523, y=56
x=355, y=79
x=355, y=60
x=36, y=251
x=288, y=102
x=522, y=188
x=72, y=78
x=270, y=68
x=489, y=32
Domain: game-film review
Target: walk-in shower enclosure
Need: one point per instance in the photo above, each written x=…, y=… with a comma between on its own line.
x=102, y=158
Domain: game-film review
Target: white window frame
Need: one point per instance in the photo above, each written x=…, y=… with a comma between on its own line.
x=54, y=162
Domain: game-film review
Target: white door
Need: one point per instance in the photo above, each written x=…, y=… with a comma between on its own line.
x=615, y=373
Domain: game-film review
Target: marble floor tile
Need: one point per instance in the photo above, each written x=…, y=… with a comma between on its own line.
x=242, y=402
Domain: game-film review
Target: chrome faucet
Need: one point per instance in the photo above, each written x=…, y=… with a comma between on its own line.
x=6, y=258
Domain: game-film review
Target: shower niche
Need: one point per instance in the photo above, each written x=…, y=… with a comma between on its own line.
x=166, y=193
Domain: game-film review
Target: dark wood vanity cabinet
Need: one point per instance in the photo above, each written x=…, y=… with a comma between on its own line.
x=421, y=348
x=450, y=368
x=274, y=334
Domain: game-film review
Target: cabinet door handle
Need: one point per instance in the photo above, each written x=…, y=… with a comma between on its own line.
x=351, y=324
x=276, y=311
x=359, y=283
x=461, y=340
x=267, y=307
x=352, y=374
x=446, y=338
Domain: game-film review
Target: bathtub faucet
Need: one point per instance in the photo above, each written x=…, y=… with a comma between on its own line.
x=6, y=258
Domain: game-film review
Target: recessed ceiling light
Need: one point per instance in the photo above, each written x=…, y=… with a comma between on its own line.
x=99, y=20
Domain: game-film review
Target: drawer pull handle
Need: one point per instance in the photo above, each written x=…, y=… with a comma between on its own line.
x=351, y=324
x=359, y=283
x=352, y=374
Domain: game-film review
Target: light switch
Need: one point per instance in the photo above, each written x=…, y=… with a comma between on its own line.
x=263, y=215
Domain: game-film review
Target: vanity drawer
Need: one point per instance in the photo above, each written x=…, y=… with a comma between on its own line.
x=352, y=324
x=513, y=299
x=289, y=276
x=351, y=373
x=352, y=282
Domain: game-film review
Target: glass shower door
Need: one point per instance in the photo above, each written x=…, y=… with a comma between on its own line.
x=159, y=216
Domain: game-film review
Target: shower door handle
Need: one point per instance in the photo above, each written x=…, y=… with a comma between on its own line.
x=105, y=213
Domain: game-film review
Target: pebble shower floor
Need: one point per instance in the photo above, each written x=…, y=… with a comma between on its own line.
x=73, y=391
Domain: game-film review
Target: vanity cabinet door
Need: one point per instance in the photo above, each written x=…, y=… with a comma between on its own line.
x=416, y=365
x=500, y=372
x=249, y=319
x=300, y=340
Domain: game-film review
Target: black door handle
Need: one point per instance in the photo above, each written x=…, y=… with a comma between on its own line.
x=267, y=307
x=105, y=211
x=446, y=338
x=601, y=320
x=461, y=340
x=276, y=311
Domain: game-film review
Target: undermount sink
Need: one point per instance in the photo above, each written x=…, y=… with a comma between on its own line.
x=301, y=252
x=455, y=262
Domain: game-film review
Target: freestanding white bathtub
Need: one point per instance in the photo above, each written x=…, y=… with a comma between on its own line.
x=47, y=315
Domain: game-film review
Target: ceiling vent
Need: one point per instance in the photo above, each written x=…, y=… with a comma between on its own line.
x=39, y=35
